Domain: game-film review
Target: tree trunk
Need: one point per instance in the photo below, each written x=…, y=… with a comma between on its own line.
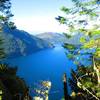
x=97, y=71
x=66, y=97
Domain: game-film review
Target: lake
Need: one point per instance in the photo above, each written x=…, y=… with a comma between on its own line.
x=47, y=64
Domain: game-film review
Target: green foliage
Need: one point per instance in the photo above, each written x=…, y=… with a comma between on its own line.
x=5, y=12
x=97, y=53
x=12, y=25
x=82, y=18
x=67, y=35
x=10, y=83
x=64, y=9
x=2, y=51
x=82, y=39
x=81, y=14
x=70, y=56
x=96, y=32
x=69, y=46
x=84, y=78
x=90, y=44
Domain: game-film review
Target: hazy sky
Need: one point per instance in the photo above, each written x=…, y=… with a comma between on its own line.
x=38, y=15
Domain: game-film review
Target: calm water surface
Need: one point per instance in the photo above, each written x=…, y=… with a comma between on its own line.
x=48, y=64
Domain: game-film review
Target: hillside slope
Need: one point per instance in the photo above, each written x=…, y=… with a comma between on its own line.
x=20, y=43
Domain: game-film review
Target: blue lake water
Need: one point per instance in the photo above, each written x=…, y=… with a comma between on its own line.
x=48, y=64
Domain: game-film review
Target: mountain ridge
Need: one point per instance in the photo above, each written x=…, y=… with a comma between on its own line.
x=20, y=43
x=58, y=38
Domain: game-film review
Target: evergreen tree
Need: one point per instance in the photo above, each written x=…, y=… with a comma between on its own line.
x=2, y=52
x=84, y=17
x=5, y=14
x=12, y=86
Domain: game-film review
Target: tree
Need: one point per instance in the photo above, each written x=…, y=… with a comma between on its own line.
x=12, y=85
x=2, y=51
x=5, y=14
x=84, y=17
x=66, y=96
x=84, y=82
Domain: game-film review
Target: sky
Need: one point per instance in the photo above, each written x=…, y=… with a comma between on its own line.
x=37, y=16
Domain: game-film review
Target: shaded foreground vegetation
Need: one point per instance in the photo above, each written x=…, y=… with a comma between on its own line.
x=11, y=85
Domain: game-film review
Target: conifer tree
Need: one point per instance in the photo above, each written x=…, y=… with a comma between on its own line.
x=12, y=86
x=5, y=14
x=84, y=17
x=2, y=51
x=5, y=11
